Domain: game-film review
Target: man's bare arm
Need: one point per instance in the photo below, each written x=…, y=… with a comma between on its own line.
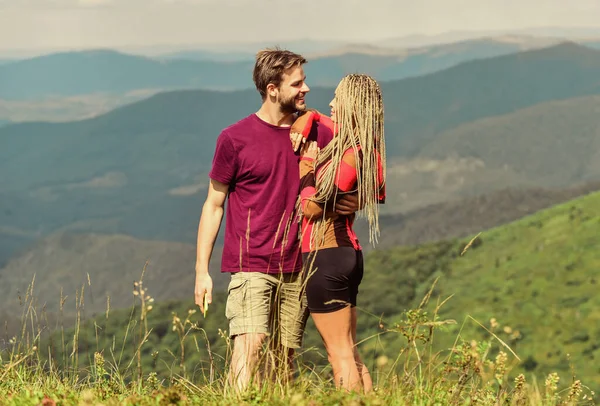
x=347, y=204
x=208, y=228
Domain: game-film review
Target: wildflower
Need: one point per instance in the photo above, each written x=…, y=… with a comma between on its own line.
x=382, y=361
x=500, y=366
x=551, y=383
x=519, y=393
x=519, y=383
x=574, y=391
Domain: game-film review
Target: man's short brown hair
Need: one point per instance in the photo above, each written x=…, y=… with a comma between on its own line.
x=270, y=65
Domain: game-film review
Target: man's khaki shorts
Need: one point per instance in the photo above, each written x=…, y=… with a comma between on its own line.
x=268, y=303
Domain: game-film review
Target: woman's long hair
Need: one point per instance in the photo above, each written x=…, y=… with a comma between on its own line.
x=359, y=124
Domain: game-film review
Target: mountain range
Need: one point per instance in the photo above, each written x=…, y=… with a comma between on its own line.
x=140, y=170
x=107, y=71
x=503, y=145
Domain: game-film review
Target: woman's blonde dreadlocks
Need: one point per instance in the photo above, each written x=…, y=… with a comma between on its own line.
x=359, y=122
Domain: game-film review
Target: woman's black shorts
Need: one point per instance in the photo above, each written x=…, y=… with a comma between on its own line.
x=334, y=276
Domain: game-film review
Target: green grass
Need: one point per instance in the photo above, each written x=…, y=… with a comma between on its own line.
x=32, y=372
x=436, y=327
x=538, y=278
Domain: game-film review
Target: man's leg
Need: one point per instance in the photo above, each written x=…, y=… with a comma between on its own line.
x=293, y=315
x=244, y=360
x=248, y=310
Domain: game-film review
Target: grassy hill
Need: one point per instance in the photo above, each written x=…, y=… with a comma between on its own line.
x=12, y=244
x=470, y=215
x=536, y=277
x=104, y=266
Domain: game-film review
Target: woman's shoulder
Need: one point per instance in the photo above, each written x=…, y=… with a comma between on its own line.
x=352, y=153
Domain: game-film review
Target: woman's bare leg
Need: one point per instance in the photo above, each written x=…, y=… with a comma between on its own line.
x=363, y=372
x=336, y=330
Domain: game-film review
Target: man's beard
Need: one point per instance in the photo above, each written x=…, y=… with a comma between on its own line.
x=288, y=106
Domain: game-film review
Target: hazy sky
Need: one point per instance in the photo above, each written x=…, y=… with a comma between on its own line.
x=44, y=24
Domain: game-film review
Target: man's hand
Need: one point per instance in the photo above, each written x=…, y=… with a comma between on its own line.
x=310, y=150
x=297, y=140
x=347, y=204
x=204, y=286
x=301, y=127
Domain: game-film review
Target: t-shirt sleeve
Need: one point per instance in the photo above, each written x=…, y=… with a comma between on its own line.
x=224, y=165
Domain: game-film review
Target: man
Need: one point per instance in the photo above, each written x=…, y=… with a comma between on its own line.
x=257, y=169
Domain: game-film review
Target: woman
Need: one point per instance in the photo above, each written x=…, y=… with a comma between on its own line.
x=354, y=161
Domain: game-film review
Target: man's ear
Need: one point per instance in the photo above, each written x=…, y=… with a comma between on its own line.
x=271, y=90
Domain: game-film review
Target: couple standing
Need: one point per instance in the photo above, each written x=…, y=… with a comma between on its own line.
x=289, y=242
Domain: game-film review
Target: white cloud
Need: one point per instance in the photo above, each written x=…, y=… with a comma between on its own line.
x=35, y=24
x=94, y=3
x=52, y=4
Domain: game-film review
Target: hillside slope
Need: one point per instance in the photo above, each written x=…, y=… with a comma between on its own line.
x=469, y=215
x=553, y=143
x=537, y=277
x=65, y=259
x=141, y=169
x=104, y=266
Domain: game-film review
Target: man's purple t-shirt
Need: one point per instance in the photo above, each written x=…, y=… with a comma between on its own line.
x=261, y=226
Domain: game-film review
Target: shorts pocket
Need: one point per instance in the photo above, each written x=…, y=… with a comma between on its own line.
x=236, y=294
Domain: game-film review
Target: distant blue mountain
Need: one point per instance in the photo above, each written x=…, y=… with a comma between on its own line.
x=77, y=73
x=115, y=172
x=215, y=56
